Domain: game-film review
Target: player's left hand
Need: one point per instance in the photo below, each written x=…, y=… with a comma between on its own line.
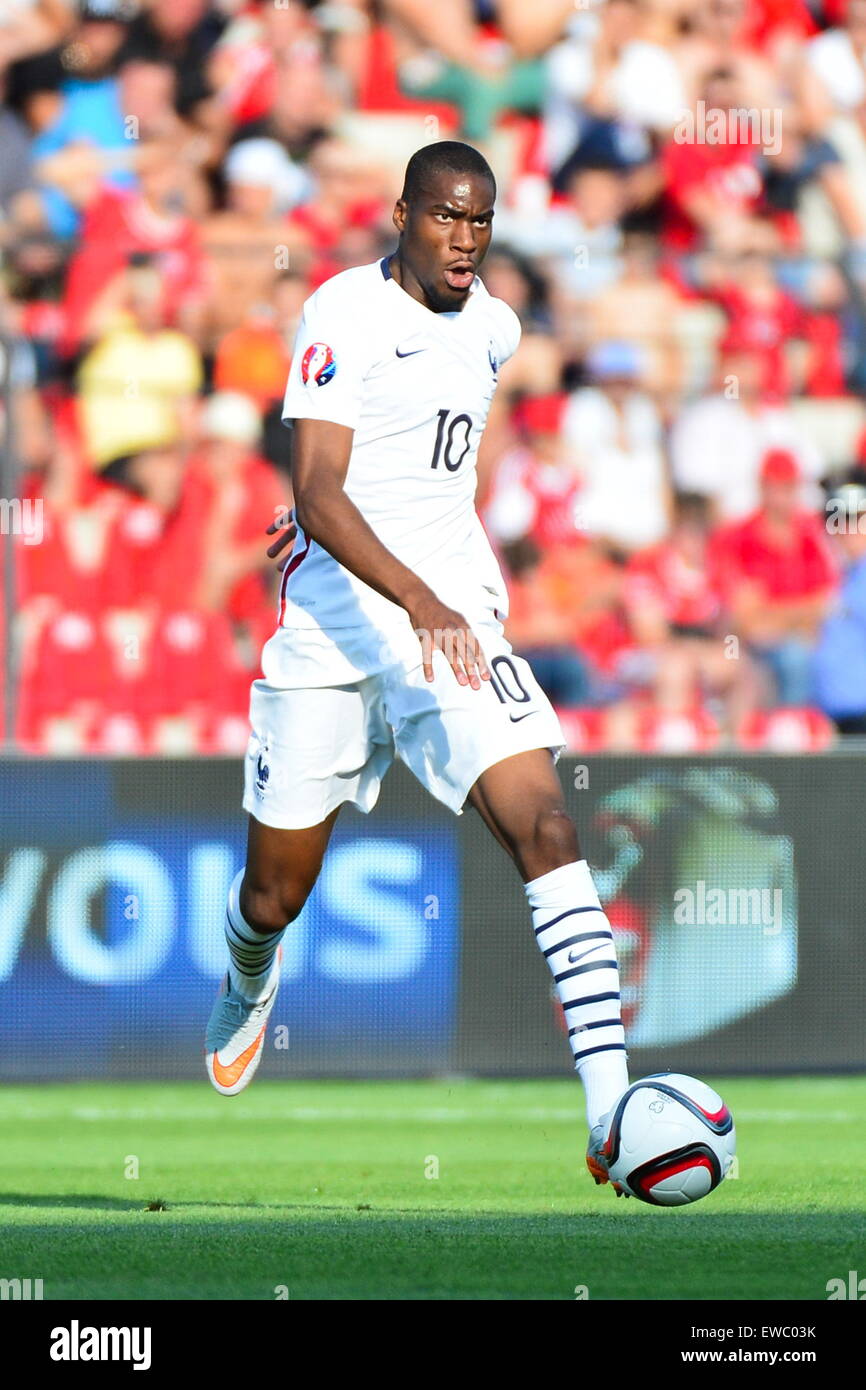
x=285, y=528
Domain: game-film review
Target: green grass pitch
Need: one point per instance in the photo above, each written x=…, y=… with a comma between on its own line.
x=329, y=1189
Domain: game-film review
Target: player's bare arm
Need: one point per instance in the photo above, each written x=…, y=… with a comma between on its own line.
x=320, y=463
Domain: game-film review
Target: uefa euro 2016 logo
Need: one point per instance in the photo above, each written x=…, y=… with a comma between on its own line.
x=318, y=364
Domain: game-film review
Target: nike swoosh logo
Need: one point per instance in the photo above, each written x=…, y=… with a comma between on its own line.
x=409, y=354
x=573, y=959
x=227, y=1076
x=516, y=718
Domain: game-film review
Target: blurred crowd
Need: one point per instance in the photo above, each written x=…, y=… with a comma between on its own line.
x=674, y=471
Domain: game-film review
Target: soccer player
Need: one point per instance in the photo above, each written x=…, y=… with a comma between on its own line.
x=390, y=637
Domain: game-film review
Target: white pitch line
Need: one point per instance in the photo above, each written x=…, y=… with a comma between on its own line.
x=341, y=1114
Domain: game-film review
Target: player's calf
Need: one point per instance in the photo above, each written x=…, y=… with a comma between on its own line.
x=548, y=843
x=575, y=938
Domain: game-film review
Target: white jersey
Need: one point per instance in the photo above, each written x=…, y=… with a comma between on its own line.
x=415, y=386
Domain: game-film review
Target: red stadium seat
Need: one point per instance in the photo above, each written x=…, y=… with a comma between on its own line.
x=583, y=729
x=119, y=734
x=227, y=733
x=124, y=725
x=63, y=686
x=692, y=731
x=786, y=730
x=196, y=678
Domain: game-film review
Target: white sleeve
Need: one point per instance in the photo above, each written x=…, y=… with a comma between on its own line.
x=329, y=362
x=507, y=331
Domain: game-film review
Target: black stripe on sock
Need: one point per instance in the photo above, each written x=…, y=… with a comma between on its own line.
x=605, y=1047
x=246, y=951
x=258, y=939
x=572, y=912
x=594, y=998
x=249, y=956
x=573, y=941
x=251, y=965
x=583, y=970
x=602, y=1023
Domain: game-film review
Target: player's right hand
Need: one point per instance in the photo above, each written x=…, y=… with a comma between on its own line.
x=436, y=625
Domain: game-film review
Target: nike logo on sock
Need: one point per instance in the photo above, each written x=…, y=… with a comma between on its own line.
x=574, y=956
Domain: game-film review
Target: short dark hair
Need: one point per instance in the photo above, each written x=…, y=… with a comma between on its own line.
x=443, y=157
x=693, y=508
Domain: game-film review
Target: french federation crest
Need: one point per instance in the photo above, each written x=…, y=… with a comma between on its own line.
x=318, y=364
x=263, y=773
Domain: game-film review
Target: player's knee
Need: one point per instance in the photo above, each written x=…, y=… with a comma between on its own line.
x=269, y=909
x=554, y=840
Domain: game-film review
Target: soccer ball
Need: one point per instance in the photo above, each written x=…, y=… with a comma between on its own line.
x=670, y=1140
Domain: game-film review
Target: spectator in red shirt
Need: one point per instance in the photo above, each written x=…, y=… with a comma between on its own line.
x=673, y=601
x=534, y=491
x=713, y=185
x=153, y=220
x=241, y=493
x=154, y=554
x=777, y=579
x=762, y=318
x=541, y=625
x=565, y=616
x=347, y=198
x=798, y=341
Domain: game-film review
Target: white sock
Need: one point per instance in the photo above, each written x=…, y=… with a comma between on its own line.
x=252, y=953
x=575, y=938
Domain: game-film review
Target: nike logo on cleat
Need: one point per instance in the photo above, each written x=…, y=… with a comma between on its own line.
x=228, y=1075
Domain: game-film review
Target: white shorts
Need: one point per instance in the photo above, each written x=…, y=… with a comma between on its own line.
x=314, y=747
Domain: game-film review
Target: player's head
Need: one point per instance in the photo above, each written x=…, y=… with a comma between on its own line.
x=444, y=216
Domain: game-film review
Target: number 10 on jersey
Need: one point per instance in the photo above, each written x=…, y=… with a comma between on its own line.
x=452, y=440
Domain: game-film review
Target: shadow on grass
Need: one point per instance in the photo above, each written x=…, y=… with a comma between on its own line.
x=87, y=1200
x=93, y=1202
